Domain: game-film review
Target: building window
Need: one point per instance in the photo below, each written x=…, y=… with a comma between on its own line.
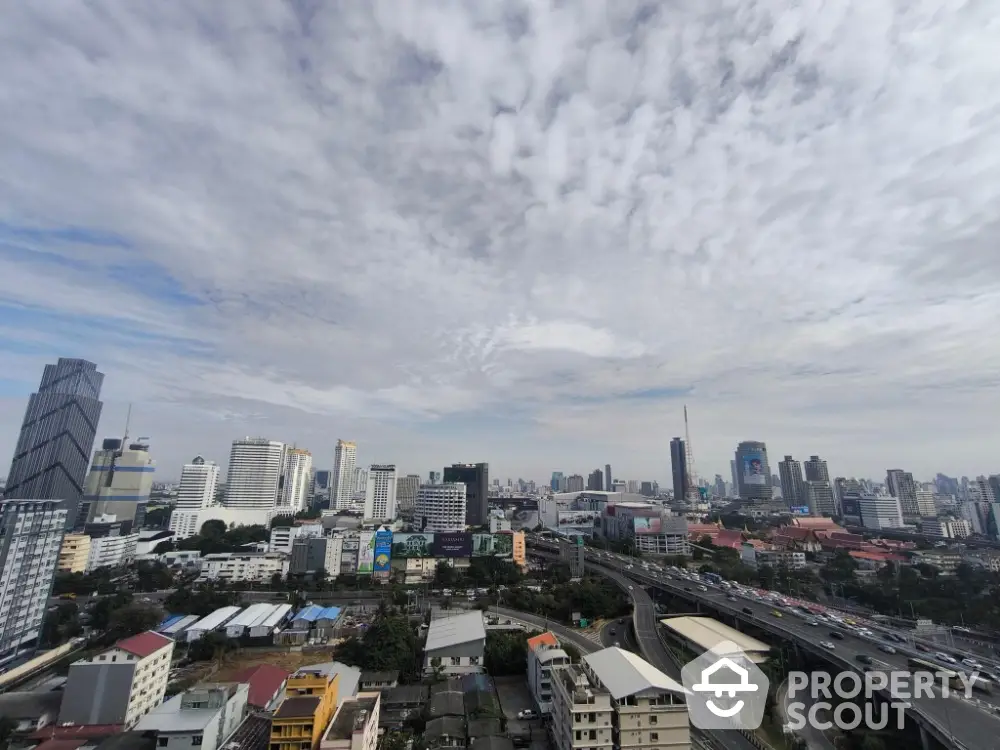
x=654, y=736
x=652, y=719
x=196, y=740
x=162, y=741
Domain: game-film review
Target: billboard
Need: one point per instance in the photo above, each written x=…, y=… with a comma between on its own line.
x=577, y=519
x=493, y=545
x=800, y=510
x=383, y=551
x=753, y=469
x=366, y=551
x=412, y=545
x=452, y=544
x=522, y=519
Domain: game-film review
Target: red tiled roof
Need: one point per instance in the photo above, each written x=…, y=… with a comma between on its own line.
x=61, y=744
x=794, y=532
x=545, y=639
x=144, y=644
x=77, y=731
x=264, y=681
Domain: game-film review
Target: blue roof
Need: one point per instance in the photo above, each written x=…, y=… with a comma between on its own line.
x=310, y=613
x=329, y=613
x=171, y=619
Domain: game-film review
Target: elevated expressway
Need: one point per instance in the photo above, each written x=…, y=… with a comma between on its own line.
x=952, y=722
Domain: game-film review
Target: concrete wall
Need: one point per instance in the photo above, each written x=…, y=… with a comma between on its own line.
x=97, y=693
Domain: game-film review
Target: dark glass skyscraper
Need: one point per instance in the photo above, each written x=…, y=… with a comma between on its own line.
x=679, y=469
x=476, y=478
x=53, y=449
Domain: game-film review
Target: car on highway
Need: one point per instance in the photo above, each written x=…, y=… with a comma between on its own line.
x=731, y=598
x=942, y=656
x=886, y=648
x=747, y=611
x=837, y=634
x=703, y=588
x=864, y=659
x=970, y=662
x=827, y=645
x=631, y=588
x=776, y=613
x=813, y=623
x=687, y=588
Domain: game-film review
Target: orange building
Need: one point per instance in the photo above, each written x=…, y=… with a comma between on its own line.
x=309, y=704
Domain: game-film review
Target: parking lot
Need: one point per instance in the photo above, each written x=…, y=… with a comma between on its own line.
x=514, y=696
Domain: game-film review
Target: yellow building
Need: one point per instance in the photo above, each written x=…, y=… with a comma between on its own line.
x=309, y=704
x=519, y=555
x=74, y=553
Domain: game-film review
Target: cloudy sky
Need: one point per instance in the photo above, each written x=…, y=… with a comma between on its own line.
x=517, y=232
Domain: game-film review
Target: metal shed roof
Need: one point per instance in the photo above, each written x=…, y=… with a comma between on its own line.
x=623, y=673
x=451, y=631
x=706, y=634
x=329, y=613
x=251, y=616
x=217, y=619
x=274, y=619
x=309, y=614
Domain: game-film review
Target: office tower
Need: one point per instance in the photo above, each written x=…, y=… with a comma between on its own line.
x=678, y=468
x=118, y=484
x=981, y=490
x=595, y=481
x=254, y=478
x=633, y=486
x=53, y=448
x=753, y=471
x=199, y=481
x=360, y=481
x=441, y=507
x=476, y=478
x=816, y=470
x=406, y=491
x=880, y=511
x=574, y=483
x=434, y=477
x=322, y=481
x=607, y=477
x=818, y=496
x=792, y=489
x=900, y=485
x=380, y=495
x=736, y=484
x=344, y=485
x=720, y=486
x=646, y=489
x=293, y=496
x=926, y=506
x=31, y=534
x=556, y=478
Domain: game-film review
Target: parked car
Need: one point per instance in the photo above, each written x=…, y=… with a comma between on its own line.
x=527, y=714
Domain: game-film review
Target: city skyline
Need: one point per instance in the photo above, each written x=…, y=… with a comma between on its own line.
x=453, y=234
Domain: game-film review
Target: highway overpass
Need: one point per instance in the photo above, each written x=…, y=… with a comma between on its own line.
x=951, y=721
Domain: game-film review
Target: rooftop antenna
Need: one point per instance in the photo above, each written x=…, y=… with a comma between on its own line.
x=128, y=418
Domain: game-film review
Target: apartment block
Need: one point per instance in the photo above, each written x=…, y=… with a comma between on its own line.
x=544, y=654
x=615, y=699
x=120, y=685
x=204, y=717
x=310, y=701
x=243, y=566
x=355, y=725
x=74, y=553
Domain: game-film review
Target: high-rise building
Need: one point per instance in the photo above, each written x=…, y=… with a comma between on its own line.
x=556, y=478
x=880, y=511
x=574, y=483
x=322, y=481
x=816, y=470
x=53, y=448
x=360, y=481
x=632, y=487
x=736, y=484
x=254, y=478
x=434, y=477
x=345, y=455
x=900, y=485
x=792, y=489
x=31, y=534
x=380, y=496
x=818, y=496
x=294, y=495
x=607, y=477
x=199, y=481
x=595, y=482
x=406, y=491
x=440, y=507
x=720, y=486
x=753, y=472
x=678, y=468
x=476, y=478
x=118, y=484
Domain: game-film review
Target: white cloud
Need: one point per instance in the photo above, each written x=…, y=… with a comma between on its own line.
x=400, y=220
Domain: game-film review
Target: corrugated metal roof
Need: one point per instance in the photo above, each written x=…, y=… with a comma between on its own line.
x=171, y=619
x=280, y=613
x=707, y=633
x=181, y=624
x=309, y=614
x=451, y=631
x=623, y=673
x=250, y=616
x=329, y=613
x=218, y=618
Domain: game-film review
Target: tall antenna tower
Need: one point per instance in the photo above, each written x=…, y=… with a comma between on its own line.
x=691, y=491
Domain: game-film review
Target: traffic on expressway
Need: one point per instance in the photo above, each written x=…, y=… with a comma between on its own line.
x=847, y=638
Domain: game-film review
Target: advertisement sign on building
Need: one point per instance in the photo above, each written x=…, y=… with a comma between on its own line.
x=493, y=545
x=383, y=551
x=412, y=545
x=452, y=544
x=576, y=519
x=366, y=551
x=753, y=469
x=800, y=510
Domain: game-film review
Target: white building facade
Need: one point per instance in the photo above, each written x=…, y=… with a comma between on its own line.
x=31, y=535
x=198, y=485
x=243, y=566
x=111, y=551
x=380, y=495
x=294, y=495
x=345, y=456
x=254, y=476
x=440, y=507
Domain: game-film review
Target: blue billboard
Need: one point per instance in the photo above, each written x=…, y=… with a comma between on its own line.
x=383, y=551
x=753, y=469
x=800, y=510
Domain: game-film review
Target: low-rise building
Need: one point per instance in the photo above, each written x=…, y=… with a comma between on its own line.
x=945, y=561
x=757, y=556
x=74, y=554
x=371, y=681
x=615, y=699
x=455, y=645
x=283, y=537
x=204, y=717
x=120, y=685
x=355, y=725
x=544, y=654
x=266, y=683
x=111, y=551
x=946, y=528
x=243, y=566
x=302, y=717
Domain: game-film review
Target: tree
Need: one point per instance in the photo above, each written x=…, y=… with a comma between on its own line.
x=389, y=643
x=131, y=619
x=444, y=575
x=210, y=647
x=158, y=518
x=153, y=576
x=282, y=522
x=506, y=653
x=61, y=624
x=840, y=568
